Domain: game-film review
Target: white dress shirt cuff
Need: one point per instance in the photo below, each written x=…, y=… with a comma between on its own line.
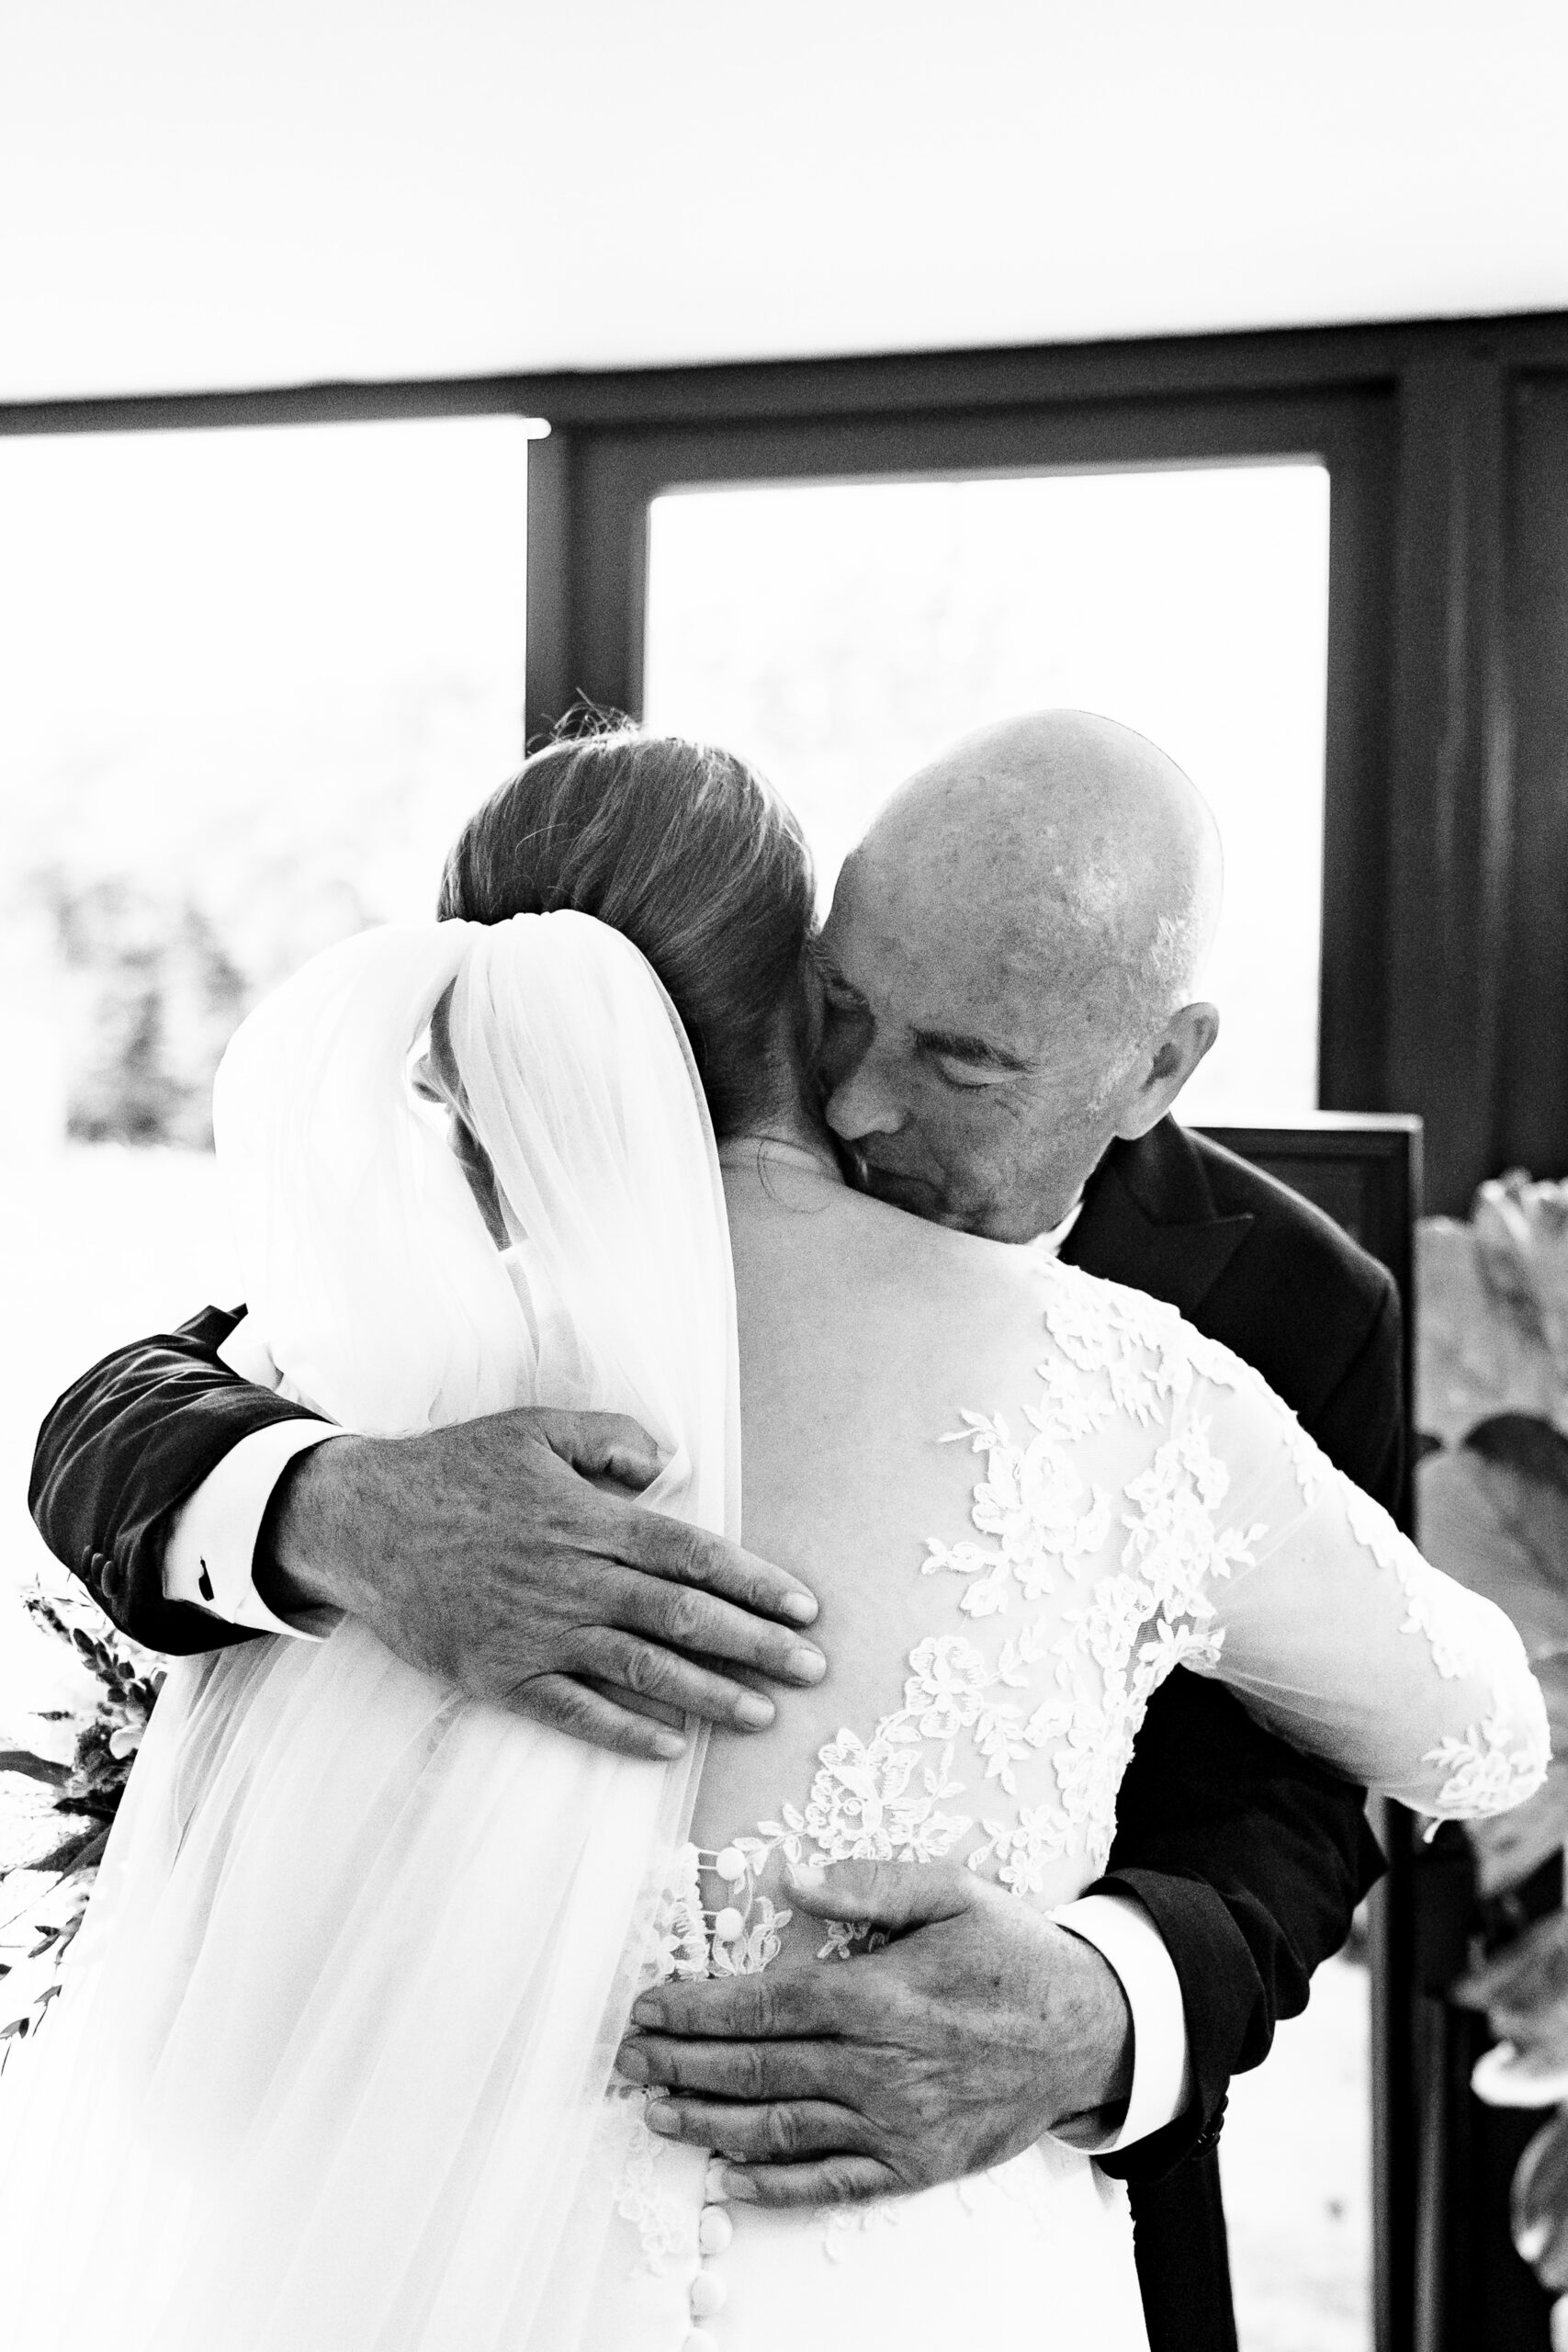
x=210, y=1557
x=1121, y=1932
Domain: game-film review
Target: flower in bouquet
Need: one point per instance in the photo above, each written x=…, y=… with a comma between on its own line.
x=85, y=1786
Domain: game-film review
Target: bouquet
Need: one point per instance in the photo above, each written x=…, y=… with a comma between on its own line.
x=38, y=1922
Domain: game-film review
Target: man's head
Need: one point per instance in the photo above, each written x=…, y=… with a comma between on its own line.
x=1009, y=965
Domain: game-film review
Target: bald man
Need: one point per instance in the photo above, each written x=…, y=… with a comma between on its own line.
x=1009, y=971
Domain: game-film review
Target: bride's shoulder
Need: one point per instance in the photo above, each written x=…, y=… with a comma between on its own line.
x=841, y=1253
x=1099, y=1324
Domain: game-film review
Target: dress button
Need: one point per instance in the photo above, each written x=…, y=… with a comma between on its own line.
x=713, y=2189
x=730, y=1864
x=708, y=2294
x=715, y=2230
x=728, y=1925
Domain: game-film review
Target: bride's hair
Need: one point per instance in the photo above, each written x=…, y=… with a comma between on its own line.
x=685, y=850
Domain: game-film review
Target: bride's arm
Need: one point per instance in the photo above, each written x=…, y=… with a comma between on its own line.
x=1335, y=1633
x=1250, y=1857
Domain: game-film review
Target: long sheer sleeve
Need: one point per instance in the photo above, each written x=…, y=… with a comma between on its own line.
x=1334, y=1632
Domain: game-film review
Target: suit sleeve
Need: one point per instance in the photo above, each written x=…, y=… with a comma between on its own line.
x=1250, y=1858
x=123, y=1449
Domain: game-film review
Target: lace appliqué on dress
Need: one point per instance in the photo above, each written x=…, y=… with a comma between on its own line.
x=1135, y=1627
x=1058, y=1696
x=1494, y=1764
x=691, y=1939
x=662, y=2222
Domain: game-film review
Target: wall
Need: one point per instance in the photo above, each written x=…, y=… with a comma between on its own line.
x=199, y=197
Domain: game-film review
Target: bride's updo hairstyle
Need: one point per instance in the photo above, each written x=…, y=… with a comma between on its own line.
x=684, y=849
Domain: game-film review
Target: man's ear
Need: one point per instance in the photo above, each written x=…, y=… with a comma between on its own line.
x=1186, y=1038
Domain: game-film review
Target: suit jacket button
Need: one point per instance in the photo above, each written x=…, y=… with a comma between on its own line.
x=113, y=1579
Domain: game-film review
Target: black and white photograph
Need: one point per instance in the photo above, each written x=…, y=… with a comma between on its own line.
x=784, y=1217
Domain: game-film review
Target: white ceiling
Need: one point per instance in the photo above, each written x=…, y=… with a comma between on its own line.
x=203, y=194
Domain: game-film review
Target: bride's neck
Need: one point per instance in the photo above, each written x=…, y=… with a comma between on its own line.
x=787, y=1135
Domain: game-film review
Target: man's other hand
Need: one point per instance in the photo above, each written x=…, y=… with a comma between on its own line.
x=505, y=1554
x=980, y=2026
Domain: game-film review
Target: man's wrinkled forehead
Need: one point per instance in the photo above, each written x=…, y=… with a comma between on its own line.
x=888, y=932
x=945, y=959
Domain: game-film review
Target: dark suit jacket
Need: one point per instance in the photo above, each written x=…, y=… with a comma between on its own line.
x=1249, y=1858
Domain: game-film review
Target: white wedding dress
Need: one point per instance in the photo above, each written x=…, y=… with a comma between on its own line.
x=334, y=2071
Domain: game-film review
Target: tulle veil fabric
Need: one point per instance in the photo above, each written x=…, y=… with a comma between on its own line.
x=329, y=2074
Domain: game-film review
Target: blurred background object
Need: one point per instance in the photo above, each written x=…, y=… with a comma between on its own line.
x=1491, y=1402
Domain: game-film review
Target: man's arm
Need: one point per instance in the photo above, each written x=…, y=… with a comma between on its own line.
x=504, y=1553
x=120, y=1454
x=1250, y=1862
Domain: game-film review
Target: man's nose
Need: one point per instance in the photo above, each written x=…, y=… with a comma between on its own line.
x=862, y=1103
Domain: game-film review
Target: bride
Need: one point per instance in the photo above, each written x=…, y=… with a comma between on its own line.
x=334, y=2071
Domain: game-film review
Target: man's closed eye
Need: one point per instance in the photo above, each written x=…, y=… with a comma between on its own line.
x=964, y=1063
x=968, y=1078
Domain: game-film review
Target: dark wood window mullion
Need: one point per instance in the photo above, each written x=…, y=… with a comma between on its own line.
x=1451, y=839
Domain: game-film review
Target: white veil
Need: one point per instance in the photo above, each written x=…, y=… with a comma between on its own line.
x=331, y=2077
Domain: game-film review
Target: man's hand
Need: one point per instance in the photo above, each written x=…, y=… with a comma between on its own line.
x=979, y=2027
x=483, y=1553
